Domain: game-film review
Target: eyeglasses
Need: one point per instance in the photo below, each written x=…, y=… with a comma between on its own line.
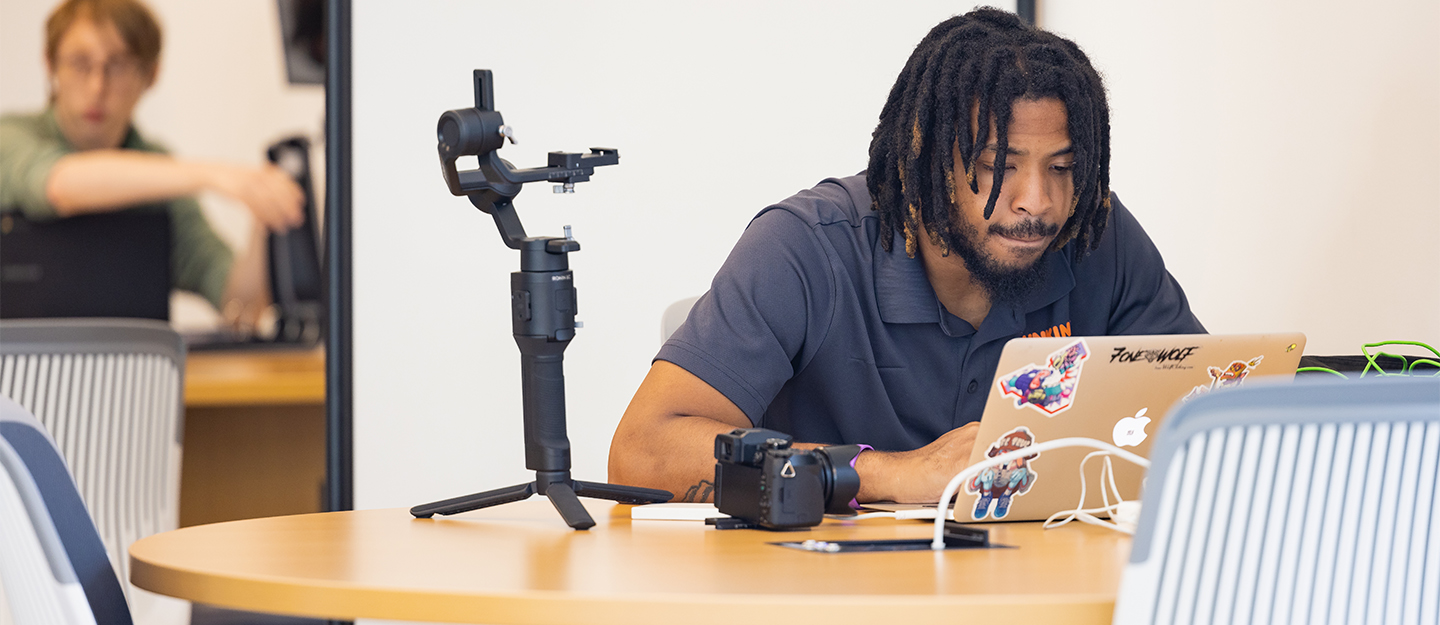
x=117, y=70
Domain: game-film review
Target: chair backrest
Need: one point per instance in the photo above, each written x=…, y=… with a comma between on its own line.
x=1308, y=503
x=674, y=315
x=110, y=392
x=53, y=565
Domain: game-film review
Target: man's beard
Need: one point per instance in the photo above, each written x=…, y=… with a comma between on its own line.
x=1006, y=286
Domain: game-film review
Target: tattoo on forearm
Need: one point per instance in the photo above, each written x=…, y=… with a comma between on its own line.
x=699, y=492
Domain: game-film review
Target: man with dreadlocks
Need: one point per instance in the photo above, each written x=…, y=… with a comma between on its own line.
x=872, y=309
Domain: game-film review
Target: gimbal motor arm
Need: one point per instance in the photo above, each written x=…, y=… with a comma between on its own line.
x=481, y=131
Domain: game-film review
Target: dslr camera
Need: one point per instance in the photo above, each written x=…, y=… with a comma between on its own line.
x=761, y=479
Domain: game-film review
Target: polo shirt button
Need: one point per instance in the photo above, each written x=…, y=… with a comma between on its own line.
x=974, y=386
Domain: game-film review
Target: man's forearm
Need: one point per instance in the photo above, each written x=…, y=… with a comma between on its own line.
x=666, y=439
x=677, y=456
x=104, y=180
x=247, y=292
x=663, y=442
x=685, y=465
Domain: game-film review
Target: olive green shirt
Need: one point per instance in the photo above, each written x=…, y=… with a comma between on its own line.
x=31, y=144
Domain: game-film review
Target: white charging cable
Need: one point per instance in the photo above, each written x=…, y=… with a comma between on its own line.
x=920, y=514
x=1121, y=512
x=938, y=542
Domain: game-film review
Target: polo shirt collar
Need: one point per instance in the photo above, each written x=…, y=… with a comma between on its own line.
x=904, y=295
x=902, y=291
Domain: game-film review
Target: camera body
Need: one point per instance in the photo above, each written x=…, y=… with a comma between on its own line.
x=760, y=478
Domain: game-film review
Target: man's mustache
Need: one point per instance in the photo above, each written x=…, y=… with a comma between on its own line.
x=1028, y=229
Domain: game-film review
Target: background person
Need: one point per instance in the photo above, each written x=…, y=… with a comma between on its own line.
x=82, y=155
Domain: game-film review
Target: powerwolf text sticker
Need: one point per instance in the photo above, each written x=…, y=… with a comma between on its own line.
x=1228, y=377
x=1049, y=388
x=999, y=485
x=1164, y=358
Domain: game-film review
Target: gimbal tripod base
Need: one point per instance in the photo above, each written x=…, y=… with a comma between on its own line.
x=563, y=492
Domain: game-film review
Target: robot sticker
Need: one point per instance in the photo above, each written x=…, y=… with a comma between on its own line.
x=999, y=485
x=1049, y=388
x=1229, y=377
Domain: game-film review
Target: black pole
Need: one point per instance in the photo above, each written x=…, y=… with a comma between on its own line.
x=339, y=387
x=1026, y=10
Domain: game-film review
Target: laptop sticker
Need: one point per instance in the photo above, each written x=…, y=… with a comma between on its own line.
x=1049, y=388
x=998, y=486
x=1227, y=377
x=1130, y=431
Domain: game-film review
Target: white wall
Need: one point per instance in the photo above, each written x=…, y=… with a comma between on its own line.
x=1283, y=159
x=1283, y=155
x=221, y=94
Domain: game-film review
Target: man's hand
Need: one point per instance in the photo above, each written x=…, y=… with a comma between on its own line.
x=270, y=194
x=916, y=476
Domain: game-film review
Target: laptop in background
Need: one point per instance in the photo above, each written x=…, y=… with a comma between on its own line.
x=1115, y=389
x=103, y=265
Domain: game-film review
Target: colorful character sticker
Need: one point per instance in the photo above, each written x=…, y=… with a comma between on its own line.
x=1229, y=377
x=1049, y=388
x=999, y=485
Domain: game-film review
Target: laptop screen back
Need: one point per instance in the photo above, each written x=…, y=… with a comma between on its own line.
x=107, y=265
x=1109, y=388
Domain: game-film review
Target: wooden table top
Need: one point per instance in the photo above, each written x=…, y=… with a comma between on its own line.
x=519, y=564
x=256, y=377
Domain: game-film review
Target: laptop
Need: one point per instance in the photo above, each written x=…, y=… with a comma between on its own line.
x=1115, y=389
x=103, y=265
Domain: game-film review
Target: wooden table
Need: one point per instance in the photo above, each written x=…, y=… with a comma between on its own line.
x=254, y=441
x=519, y=564
x=255, y=378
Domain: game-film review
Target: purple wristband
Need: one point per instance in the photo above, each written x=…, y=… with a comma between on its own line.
x=855, y=503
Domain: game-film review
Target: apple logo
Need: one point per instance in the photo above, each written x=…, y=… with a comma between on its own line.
x=1130, y=431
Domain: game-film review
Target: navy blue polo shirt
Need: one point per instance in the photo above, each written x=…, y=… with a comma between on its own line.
x=813, y=329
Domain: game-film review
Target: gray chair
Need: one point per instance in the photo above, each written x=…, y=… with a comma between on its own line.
x=110, y=392
x=675, y=315
x=1304, y=503
x=53, y=565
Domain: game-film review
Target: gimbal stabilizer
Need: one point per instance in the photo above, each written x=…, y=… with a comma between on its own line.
x=542, y=305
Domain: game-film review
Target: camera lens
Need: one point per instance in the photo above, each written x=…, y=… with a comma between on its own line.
x=841, y=480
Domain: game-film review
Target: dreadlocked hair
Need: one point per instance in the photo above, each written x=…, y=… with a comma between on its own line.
x=984, y=60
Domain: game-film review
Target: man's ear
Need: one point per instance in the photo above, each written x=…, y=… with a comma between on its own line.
x=154, y=73
x=50, y=79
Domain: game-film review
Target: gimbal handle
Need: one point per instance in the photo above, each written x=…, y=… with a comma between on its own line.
x=481, y=131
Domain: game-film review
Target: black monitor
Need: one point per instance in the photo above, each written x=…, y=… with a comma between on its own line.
x=302, y=35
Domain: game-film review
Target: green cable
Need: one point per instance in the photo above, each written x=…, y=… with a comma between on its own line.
x=1406, y=367
x=1426, y=361
x=1404, y=364
x=1320, y=369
